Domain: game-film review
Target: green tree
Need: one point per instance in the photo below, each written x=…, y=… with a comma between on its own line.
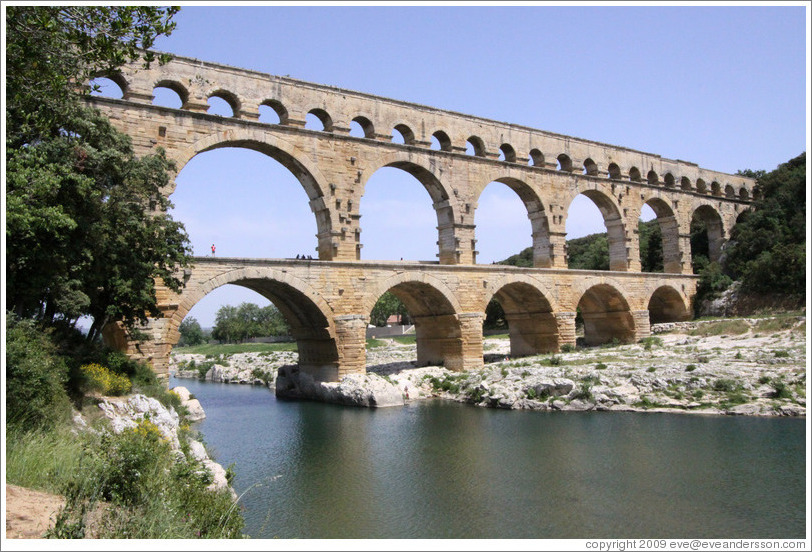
x=651, y=246
x=387, y=305
x=766, y=250
x=52, y=51
x=86, y=226
x=35, y=378
x=589, y=253
x=190, y=332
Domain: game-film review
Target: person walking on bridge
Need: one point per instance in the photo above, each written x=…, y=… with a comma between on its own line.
x=212, y=250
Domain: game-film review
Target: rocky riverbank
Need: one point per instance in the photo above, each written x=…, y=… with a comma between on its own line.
x=737, y=367
x=129, y=411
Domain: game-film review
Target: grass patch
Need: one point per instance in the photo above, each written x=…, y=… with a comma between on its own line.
x=690, y=368
x=148, y=493
x=721, y=327
x=227, y=349
x=777, y=324
x=405, y=339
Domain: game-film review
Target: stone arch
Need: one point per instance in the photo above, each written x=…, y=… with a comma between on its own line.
x=590, y=167
x=230, y=98
x=616, y=232
x=701, y=187
x=309, y=316
x=716, y=188
x=366, y=126
x=406, y=132
x=669, y=230
x=439, y=197
x=685, y=183
x=117, y=78
x=280, y=110
x=614, y=171
x=434, y=310
x=313, y=182
x=539, y=223
x=177, y=88
x=478, y=146
x=442, y=140
x=667, y=305
x=606, y=315
x=730, y=192
x=536, y=158
x=652, y=178
x=323, y=117
x=744, y=194
x=634, y=175
x=564, y=163
x=508, y=152
x=712, y=221
x=668, y=180
x=532, y=325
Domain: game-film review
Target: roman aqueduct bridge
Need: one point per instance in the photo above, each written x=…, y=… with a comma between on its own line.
x=454, y=156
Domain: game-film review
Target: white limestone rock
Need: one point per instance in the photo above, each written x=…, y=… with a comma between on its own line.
x=368, y=390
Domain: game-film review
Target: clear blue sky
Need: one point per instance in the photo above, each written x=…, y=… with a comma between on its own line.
x=724, y=87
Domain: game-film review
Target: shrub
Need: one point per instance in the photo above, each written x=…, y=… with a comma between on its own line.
x=130, y=461
x=651, y=369
x=781, y=390
x=35, y=378
x=781, y=354
x=725, y=385
x=690, y=368
x=98, y=378
x=651, y=341
x=567, y=348
x=554, y=360
x=600, y=366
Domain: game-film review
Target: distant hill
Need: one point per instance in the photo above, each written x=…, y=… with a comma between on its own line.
x=592, y=252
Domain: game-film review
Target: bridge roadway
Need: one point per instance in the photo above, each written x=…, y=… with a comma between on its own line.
x=328, y=303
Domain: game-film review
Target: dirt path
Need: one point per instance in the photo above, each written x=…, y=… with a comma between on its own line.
x=30, y=513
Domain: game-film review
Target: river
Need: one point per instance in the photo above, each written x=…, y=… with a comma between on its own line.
x=438, y=469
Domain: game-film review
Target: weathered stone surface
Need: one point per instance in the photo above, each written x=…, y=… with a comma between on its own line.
x=127, y=413
x=193, y=406
x=368, y=390
x=335, y=294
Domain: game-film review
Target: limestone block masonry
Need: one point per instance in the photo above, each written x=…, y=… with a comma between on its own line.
x=327, y=302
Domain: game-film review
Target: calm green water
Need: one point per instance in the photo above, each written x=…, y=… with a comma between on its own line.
x=436, y=469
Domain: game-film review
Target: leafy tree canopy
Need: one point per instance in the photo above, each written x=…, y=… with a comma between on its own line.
x=86, y=229
x=52, y=51
x=190, y=332
x=236, y=324
x=388, y=305
x=767, y=249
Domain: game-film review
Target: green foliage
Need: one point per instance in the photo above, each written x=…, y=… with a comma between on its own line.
x=523, y=259
x=712, y=281
x=651, y=369
x=388, y=305
x=767, y=244
x=99, y=378
x=236, y=324
x=567, y=348
x=49, y=49
x=589, y=252
x=690, y=368
x=651, y=246
x=651, y=341
x=81, y=231
x=35, y=378
x=601, y=366
x=726, y=385
x=494, y=316
x=190, y=332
